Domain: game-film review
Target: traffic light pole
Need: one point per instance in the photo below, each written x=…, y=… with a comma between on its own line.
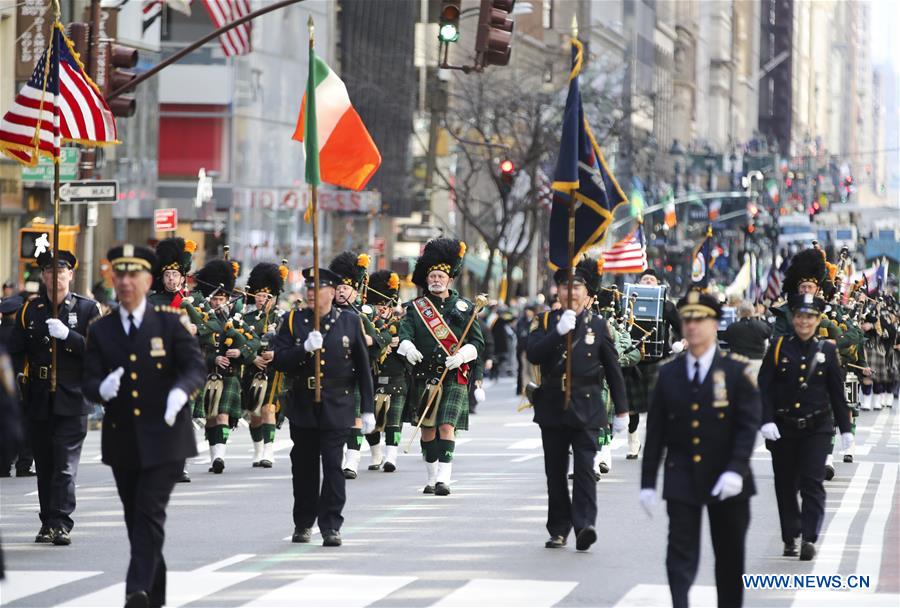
x=196, y=45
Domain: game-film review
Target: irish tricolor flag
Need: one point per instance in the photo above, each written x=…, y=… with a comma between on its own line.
x=339, y=149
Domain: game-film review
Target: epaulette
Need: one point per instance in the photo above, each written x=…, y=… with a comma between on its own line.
x=740, y=358
x=168, y=308
x=672, y=357
x=546, y=316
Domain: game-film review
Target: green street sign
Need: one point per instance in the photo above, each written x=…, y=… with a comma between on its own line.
x=43, y=171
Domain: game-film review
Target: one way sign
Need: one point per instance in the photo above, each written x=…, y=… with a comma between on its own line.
x=89, y=192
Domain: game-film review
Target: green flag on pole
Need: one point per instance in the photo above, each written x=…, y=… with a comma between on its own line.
x=311, y=130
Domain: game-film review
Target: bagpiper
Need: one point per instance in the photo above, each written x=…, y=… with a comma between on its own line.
x=352, y=270
x=391, y=370
x=263, y=388
x=435, y=327
x=227, y=344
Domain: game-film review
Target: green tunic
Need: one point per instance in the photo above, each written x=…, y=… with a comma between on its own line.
x=264, y=325
x=628, y=357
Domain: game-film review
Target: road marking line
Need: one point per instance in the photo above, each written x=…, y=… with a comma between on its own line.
x=332, y=590
x=659, y=595
x=507, y=592
x=22, y=583
x=526, y=444
x=872, y=547
x=526, y=457
x=224, y=563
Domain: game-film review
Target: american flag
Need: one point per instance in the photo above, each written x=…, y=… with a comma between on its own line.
x=628, y=255
x=58, y=104
x=223, y=12
x=773, y=287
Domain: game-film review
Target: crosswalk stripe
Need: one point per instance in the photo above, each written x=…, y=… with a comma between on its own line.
x=526, y=444
x=872, y=547
x=835, y=536
x=332, y=590
x=700, y=596
x=22, y=583
x=507, y=592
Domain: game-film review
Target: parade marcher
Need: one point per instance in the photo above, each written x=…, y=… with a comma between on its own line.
x=9, y=309
x=56, y=416
x=879, y=352
x=748, y=335
x=641, y=378
x=143, y=364
x=391, y=370
x=11, y=434
x=705, y=414
x=319, y=429
x=803, y=399
x=803, y=275
x=523, y=368
x=263, y=388
x=174, y=257
x=431, y=330
x=576, y=425
x=629, y=356
x=227, y=348
x=352, y=270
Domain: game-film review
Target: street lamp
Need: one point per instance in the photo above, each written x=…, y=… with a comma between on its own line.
x=677, y=152
x=710, y=162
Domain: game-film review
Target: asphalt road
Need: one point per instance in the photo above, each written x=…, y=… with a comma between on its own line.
x=228, y=536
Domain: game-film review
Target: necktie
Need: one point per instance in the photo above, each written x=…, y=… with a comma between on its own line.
x=696, y=381
x=132, y=330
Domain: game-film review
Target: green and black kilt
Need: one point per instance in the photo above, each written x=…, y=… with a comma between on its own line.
x=397, y=390
x=453, y=408
x=879, y=359
x=229, y=404
x=640, y=381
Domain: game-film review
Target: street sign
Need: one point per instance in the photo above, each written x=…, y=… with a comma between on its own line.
x=90, y=191
x=419, y=232
x=208, y=225
x=43, y=171
x=165, y=220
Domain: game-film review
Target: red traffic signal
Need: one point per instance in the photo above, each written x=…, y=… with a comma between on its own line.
x=507, y=167
x=493, y=44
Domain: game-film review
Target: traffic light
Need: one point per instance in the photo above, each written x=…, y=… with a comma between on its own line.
x=448, y=30
x=36, y=238
x=120, y=59
x=507, y=171
x=493, y=43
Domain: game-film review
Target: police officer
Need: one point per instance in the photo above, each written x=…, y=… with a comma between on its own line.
x=10, y=421
x=705, y=413
x=56, y=416
x=142, y=364
x=803, y=399
x=9, y=309
x=319, y=429
x=575, y=425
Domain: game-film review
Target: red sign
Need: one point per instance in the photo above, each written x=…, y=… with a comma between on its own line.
x=165, y=220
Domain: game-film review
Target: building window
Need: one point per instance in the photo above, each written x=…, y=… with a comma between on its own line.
x=547, y=14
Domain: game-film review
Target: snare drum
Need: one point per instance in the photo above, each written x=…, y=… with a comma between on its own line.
x=646, y=307
x=851, y=390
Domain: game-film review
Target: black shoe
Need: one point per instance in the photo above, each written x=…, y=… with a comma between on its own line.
x=331, y=538
x=441, y=489
x=848, y=458
x=585, y=538
x=265, y=464
x=301, y=535
x=138, y=599
x=389, y=467
x=185, y=478
x=44, y=535
x=604, y=468
x=255, y=465
x=61, y=537
x=555, y=542
x=428, y=490
x=807, y=551
x=829, y=472
x=374, y=467
x=218, y=465
x=790, y=548
x=472, y=410
x=349, y=474
x=25, y=473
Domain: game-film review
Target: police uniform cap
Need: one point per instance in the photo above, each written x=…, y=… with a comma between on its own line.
x=806, y=302
x=66, y=259
x=699, y=305
x=326, y=277
x=11, y=304
x=130, y=258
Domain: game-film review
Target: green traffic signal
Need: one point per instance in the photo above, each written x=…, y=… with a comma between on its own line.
x=448, y=33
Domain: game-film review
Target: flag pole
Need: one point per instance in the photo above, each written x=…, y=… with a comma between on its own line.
x=54, y=292
x=314, y=215
x=570, y=280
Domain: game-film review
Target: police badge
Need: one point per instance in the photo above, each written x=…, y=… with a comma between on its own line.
x=720, y=390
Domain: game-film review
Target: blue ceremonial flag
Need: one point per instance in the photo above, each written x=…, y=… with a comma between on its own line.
x=581, y=178
x=703, y=261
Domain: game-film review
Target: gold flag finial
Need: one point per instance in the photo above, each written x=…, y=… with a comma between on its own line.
x=311, y=25
x=574, y=26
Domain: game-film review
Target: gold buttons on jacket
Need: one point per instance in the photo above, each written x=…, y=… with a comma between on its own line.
x=695, y=424
x=134, y=394
x=802, y=379
x=132, y=357
x=797, y=406
x=803, y=366
x=695, y=440
x=134, y=375
x=697, y=458
x=137, y=411
x=695, y=407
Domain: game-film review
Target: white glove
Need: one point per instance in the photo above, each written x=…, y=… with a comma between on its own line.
x=466, y=353
x=846, y=441
x=479, y=395
x=368, y=423
x=566, y=322
x=648, y=500
x=57, y=329
x=175, y=401
x=729, y=484
x=109, y=388
x=408, y=349
x=770, y=431
x=620, y=424
x=313, y=341
x=677, y=347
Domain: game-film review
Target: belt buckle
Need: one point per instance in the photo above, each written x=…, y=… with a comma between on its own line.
x=43, y=372
x=311, y=383
x=801, y=424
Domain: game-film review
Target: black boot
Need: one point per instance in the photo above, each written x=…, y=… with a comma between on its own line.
x=807, y=551
x=301, y=535
x=790, y=548
x=331, y=538
x=555, y=542
x=585, y=538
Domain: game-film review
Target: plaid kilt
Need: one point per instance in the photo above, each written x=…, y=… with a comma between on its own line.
x=453, y=408
x=640, y=381
x=229, y=404
x=395, y=413
x=879, y=359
